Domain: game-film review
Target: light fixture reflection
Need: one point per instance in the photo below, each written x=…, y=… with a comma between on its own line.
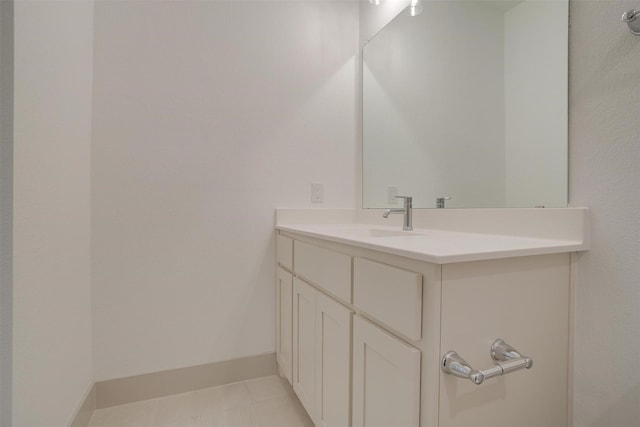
x=376, y=2
x=415, y=8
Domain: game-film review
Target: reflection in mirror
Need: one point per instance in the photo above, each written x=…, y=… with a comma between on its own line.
x=468, y=100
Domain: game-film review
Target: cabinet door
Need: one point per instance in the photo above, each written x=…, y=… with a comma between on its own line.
x=284, y=338
x=386, y=379
x=333, y=362
x=304, y=361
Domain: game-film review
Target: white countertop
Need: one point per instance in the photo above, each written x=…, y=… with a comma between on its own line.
x=435, y=246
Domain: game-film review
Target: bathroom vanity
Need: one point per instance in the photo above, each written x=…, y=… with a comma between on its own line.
x=366, y=313
x=466, y=320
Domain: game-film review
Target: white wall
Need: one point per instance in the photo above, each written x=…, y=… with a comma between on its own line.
x=6, y=209
x=453, y=145
x=535, y=35
x=604, y=175
x=52, y=130
x=208, y=116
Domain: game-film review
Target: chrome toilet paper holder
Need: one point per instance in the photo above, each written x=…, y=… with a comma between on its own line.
x=632, y=19
x=508, y=360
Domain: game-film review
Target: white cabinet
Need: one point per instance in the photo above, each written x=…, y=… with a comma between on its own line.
x=304, y=344
x=284, y=252
x=284, y=302
x=522, y=301
x=333, y=362
x=386, y=379
x=321, y=355
x=328, y=270
x=284, y=333
x=391, y=295
x=369, y=330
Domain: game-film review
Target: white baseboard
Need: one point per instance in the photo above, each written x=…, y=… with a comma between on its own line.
x=120, y=391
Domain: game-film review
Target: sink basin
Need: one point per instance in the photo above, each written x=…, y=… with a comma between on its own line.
x=376, y=232
x=379, y=232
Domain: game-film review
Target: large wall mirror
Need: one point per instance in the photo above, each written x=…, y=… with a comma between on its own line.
x=468, y=100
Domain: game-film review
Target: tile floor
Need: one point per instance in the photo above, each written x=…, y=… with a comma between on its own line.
x=262, y=402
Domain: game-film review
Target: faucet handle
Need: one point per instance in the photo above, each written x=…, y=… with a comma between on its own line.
x=440, y=201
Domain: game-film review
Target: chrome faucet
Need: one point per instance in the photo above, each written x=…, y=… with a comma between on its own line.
x=407, y=211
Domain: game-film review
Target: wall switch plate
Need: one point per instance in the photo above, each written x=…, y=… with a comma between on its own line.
x=392, y=192
x=317, y=193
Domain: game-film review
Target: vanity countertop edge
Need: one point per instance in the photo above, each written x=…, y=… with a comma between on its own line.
x=450, y=245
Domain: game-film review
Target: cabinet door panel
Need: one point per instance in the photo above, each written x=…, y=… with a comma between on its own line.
x=284, y=252
x=304, y=361
x=329, y=270
x=386, y=379
x=390, y=295
x=284, y=338
x=333, y=353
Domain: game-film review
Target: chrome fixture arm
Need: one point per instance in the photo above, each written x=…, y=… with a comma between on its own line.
x=508, y=358
x=407, y=224
x=632, y=18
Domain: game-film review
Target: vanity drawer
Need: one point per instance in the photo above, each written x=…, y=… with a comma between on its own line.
x=284, y=252
x=389, y=294
x=324, y=268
